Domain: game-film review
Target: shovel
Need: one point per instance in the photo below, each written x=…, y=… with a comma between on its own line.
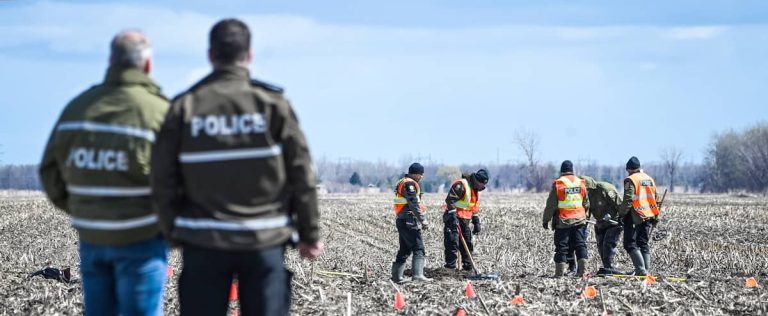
x=477, y=275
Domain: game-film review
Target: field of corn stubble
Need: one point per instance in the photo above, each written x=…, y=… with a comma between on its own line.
x=716, y=242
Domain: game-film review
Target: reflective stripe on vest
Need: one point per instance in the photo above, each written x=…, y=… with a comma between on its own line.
x=644, y=200
x=232, y=225
x=469, y=203
x=106, y=128
x=571, y=191
x=230, y=154
x=108, y=191
x=400, y=201
x=122, y=224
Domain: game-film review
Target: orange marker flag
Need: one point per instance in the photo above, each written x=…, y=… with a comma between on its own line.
x=469, y=291
x=518, y=300
x=233, y=292
x=169, y=271
x=589, y=292
x=460, y=312
x=649, y=279
x=399, y=300
x=751, y=283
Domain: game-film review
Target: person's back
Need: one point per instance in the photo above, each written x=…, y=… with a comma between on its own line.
x=233, y=180
x=96, y=168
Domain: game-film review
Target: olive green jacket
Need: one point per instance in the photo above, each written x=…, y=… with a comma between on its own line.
x=604, y=202
x=96, y=163
x=232, y=167
x=551, y=211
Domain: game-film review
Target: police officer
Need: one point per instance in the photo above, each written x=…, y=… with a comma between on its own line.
x=604, y=202
x=567, y=207
x=409, y=222
x=233, y=181
x=639, y=211
x=462, y=206
x=96, y=169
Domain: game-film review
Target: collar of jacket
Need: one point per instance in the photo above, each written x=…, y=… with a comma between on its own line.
x=117, y=75
x=231, y=72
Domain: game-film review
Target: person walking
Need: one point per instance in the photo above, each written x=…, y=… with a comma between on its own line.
x=566, y=209
x=639, y=211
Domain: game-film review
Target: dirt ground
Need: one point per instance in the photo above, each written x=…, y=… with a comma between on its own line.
x=714, y=241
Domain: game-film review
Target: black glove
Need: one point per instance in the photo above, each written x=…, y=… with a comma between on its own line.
x=653, y=220
x=546, y=225
x=476, y=225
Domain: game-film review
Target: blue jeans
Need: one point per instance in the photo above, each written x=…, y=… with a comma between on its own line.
x=124, y=280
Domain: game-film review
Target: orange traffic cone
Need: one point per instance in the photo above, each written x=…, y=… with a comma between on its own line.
x=460, y=312
x=518, y=300
x=469, y=291
x=751, y=283
x=233, y=292
x=650, y=279
x=169, y=272
x=589, y=292
x=399, y=300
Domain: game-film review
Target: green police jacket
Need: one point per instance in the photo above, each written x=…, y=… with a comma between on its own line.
x=231, y=167
x=97, y=161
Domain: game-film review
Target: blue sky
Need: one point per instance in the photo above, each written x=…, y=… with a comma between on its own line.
x=451, y=80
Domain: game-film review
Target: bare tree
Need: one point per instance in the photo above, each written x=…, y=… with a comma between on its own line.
x=670, y=158
x=528, y=142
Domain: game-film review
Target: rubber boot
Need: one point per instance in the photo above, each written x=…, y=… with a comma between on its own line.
x=397, y=272
x=418, y=270
x=638, y=262
x=581, y=265
x=560, y=268
x=571, y=264
x=647, y=261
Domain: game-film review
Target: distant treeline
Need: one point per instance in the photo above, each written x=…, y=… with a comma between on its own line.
x=734, y=161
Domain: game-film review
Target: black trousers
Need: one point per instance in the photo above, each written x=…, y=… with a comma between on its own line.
x=563, y=238
x=452, y=243
x=206, y=278
x=607, y=241
x=636, y=235
x=571, y=258
x=410, y=240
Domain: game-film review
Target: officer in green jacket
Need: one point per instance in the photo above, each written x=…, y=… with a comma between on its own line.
x=604, y=202
x=96, y=169
x=234, y=183
x=639, y=211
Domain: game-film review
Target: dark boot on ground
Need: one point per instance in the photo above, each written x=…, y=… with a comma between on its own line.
x=418, y=270
x=560, y=269
x=647, y=261
x=397, y=272
x=638, y=262
x=581, y=267
x=571, y=265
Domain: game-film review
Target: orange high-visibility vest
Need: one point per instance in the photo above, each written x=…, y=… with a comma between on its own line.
x=469, y=204
x=571, y=191
x=400, y=201
x=644, y=200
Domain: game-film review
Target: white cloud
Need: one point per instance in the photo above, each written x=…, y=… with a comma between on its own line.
x=695, y=33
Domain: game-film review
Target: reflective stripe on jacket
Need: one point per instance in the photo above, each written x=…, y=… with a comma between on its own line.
x=469, y=204
x=570, y=197
x=644, y=200
x=400, y=201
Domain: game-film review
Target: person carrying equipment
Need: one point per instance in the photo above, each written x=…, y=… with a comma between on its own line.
x=461, y=206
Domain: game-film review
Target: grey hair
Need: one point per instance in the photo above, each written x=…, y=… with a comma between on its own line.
x=130, y=48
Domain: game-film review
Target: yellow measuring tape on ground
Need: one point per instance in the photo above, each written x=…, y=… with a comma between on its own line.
x=643, y=277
